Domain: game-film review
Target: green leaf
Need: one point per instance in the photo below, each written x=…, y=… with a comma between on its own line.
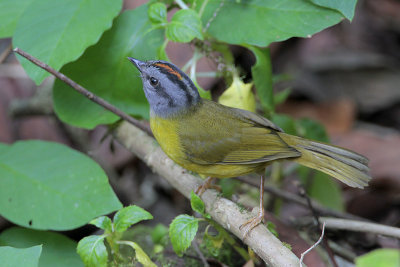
x=140, y=255
x=27, y=257
x=105, y=70
x=263, y=22
x=128, y=216
x=182, y=231
x=46, y=185
x=379, y=258
x=10, y=13
x=281, y=97
x=57, y=250
x=239, y=95
x=272, y=228
x=262, y=76
x=285, y=122
x=185, y=25
x=346, y=7
x=159, y=233
x=196, y=203
x=323, y=188
x=312, y=129
x=57, y=32
x=158, y=13
x=92, y=250
x=103, y=222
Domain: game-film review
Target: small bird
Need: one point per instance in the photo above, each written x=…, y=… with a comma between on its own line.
x=220, y=142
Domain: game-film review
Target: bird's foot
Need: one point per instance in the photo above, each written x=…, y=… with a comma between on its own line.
x=208, y=184
x=250, y=224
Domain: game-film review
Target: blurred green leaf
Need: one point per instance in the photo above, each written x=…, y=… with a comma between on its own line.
x=239, y=95
x=281, y=97
x=103, y=222
x=158, y=234
x=47, y=185
x=263, y=22
x=322, y=188
x=128, y=216
x=57, y=250
x=158, y=13
x=58, y=32
x=182, y=231
x=92, y=250
x=185, y=25
x=140, y=255
x=379, y=258
x=312, y=129
x=26, y=257
x=10, y=13
x=272, y=228
x=105, y=70
x=196, y=203
x=285, y=122
x=214, y=243
x=262, y=76
x=346, y=7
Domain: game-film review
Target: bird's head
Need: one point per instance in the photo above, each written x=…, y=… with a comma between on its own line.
x=168, y=89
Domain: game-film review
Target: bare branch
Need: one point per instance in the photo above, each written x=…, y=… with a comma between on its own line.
x=313, y=246
x=360, y=226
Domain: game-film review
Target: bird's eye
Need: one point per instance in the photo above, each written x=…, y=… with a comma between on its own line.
x=153, y=81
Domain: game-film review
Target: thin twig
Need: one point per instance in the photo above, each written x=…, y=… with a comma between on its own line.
x=313, y=246
x=360, y=226
x=298, y=200
x=200, y=254
x=5, y=53
x=85, y=92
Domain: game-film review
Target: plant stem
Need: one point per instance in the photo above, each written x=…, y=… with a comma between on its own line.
x=181, y=4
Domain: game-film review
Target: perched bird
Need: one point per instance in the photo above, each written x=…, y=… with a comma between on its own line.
x=219, y=141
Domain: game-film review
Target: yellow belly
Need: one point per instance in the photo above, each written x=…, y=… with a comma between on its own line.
x=166, y=133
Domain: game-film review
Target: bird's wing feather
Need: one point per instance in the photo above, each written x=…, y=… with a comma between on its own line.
x=237, y=137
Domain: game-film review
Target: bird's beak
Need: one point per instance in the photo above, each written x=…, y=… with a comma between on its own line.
x=138, y=64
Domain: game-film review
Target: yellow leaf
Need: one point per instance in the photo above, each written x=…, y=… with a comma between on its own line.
x=239, y=95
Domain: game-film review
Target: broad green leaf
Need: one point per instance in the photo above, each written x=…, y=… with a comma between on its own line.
x=128, y=216
x=379, y=258
x=10, y=13
x=182, y=231
x=105, y=70
x=322, y=188
x=185, y=25
x=346, y=7
x=57, y=250
x=92, y=250
x=27, y=257
x=46, y=185
x=262, y=76
x=57, y=32
x=158, y=13
x=263, y=22
x=103, y=222
x=281, y=97
x=239, y=95
x=196, y=203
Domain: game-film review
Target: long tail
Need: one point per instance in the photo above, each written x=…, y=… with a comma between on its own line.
x=345, y=165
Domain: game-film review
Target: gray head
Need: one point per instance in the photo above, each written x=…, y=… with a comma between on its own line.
x=168, y=89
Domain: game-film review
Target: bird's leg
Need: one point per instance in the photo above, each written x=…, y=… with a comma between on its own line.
x=253, y=222
x=208, y=183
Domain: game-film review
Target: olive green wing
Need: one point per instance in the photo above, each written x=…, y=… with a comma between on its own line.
x=218, y=134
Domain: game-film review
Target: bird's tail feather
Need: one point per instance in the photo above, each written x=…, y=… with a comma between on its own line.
x=345, y=165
